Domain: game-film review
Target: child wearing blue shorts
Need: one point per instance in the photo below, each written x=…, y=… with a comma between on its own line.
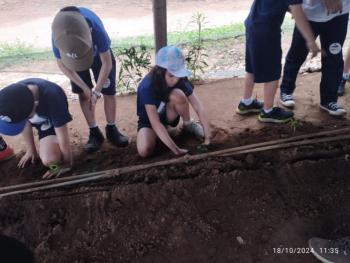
x=80, y=43
x=264, y=54
x=163, y=97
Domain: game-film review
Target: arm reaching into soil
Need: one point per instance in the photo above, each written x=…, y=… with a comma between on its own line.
x=31, y=152
x=305, y=28
x=202, y=115
x=161, y=131
x=64, y=144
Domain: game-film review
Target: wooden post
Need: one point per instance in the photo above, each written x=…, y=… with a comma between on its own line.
x=160, y=23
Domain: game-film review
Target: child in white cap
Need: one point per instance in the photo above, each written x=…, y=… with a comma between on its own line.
x=164, y=96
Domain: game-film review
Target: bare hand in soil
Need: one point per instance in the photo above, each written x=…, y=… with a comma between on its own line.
x=206, y=142
x=50, y=174
x=181, y=151
x=28, y=156
x=333, y=6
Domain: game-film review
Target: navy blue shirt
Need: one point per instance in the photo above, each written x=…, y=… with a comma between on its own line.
x=52, y=110
x=269, y=11
x=100, y=39
x=145, y=96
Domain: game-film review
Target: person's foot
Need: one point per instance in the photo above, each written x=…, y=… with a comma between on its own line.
x=95, y=140
x=277, y=115
x=333, y=109
x=254, y=107
x=194, y=128
x=115, y=137
x=341, y=88
x=331, y=251
x=287, y=100
x=6, y=153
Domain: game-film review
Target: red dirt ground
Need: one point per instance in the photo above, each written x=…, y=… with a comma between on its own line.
x=195, y=212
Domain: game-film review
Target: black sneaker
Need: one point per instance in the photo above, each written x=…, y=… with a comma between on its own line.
x=333, y=109
x=115, y=137
x=287, y=100
x=95, y=140
x=341, y=88
x=277, y=115
x=254, y=107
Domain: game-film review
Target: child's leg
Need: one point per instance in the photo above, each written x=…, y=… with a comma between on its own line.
x=146, y=141
x=110, y=107
x=178, y=105
x=248, y=85
x=88, y=111
x=296, y=56
x=49, y=150
x=270, y=89
x=332, y=36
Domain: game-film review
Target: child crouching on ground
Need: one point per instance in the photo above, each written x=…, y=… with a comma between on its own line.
x=41, y=104
x=164, y=96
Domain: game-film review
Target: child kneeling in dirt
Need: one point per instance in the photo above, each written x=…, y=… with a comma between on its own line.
x=264, y=54
x=163, y=97
x=41, y=104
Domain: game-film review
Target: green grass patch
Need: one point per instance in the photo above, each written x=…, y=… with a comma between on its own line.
x=21, y=52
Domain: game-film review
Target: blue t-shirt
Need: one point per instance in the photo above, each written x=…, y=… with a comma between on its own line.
x=269, y=11
x=52, y=110
x=145, y=96
x=100, y=39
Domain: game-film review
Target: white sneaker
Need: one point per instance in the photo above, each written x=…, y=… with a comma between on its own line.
x=194, y=128
x=333, y=109
x=287, y=100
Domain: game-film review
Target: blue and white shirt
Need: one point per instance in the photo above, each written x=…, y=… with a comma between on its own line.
x=145, y=96
x=100, y=39
x=52, y=110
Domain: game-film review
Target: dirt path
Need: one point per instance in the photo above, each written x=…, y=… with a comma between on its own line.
x=121, y=18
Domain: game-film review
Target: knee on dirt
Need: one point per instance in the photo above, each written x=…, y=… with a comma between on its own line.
x=51, y=159
x=145, y=151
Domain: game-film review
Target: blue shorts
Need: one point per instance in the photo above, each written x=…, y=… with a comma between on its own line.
x=263, y=52
x=109, y=88
x=163, y=119
x=42, y=134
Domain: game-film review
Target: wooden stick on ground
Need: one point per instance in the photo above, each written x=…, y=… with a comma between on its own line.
x=116, y=172
x=169, y=162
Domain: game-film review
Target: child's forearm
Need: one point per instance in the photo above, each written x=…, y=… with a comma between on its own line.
x=302, y=23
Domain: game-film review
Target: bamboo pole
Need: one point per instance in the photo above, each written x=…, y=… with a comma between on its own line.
x=240, y=150
x=117, y=172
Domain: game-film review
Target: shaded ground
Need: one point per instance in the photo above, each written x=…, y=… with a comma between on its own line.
x=222, y=210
